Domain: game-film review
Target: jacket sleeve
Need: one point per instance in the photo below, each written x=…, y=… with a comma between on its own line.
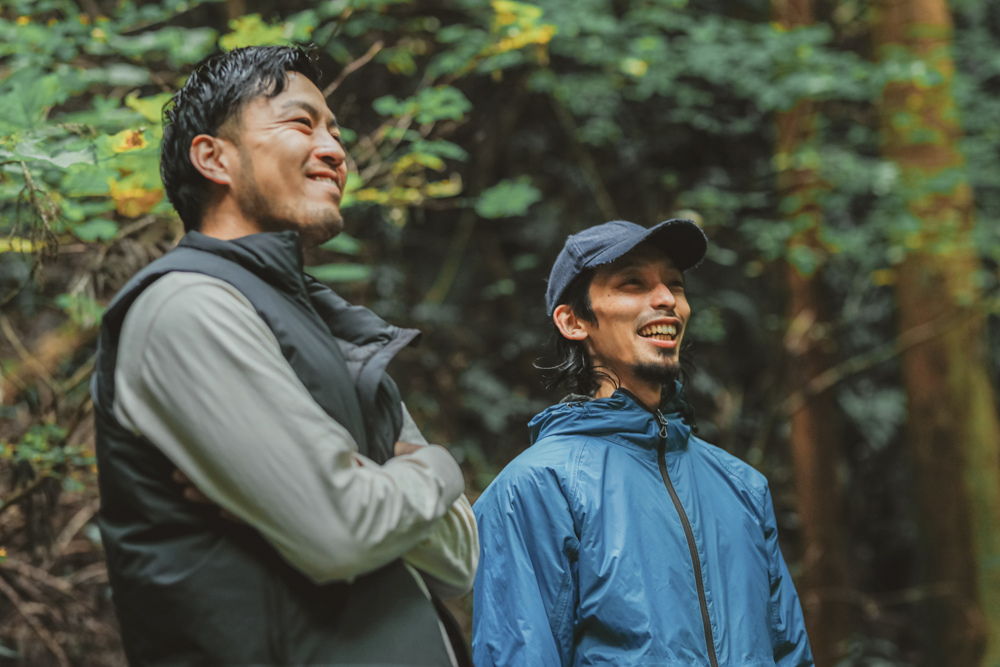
x=788, y=628
x=202, y=377
x=525, y=593
x=448, y=557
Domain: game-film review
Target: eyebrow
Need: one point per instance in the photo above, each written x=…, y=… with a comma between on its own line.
x=629, y=263
x=311, y=110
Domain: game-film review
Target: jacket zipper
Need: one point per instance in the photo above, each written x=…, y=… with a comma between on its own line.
x=661, y=456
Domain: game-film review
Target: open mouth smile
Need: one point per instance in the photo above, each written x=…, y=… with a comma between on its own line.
x=325, y=179
x=660, y=332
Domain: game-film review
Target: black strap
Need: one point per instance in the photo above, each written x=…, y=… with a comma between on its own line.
x=463, y=654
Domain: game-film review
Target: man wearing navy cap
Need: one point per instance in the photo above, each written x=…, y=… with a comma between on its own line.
x=619, y=537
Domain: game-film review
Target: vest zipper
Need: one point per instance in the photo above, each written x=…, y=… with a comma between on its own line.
x=661, y=456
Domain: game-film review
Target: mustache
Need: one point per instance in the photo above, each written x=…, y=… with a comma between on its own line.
x=661, y=316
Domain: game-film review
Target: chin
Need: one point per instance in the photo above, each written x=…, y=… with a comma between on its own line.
x=662, y=371
x=320, y=231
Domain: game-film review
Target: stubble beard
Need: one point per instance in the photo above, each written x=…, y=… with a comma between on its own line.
x=314, y=228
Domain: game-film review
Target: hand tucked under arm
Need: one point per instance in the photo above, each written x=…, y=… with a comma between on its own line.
x=203, y=378
x=448, y=557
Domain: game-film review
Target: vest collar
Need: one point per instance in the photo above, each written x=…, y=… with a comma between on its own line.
x=274, y=257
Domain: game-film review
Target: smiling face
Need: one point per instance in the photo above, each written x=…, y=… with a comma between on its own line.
x=641, y=313
x=290, y=172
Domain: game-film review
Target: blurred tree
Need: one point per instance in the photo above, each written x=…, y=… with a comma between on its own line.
x=953, y=429
x=480, y=134
x=814, y=441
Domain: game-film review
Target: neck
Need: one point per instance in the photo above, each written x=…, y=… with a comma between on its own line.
x=225, y=221
x=648, y=394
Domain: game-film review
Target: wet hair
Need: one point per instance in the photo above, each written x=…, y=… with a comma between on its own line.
x=215, y=93
x=573, y=368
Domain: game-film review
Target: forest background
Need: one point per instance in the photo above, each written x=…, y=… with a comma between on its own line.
x=841, y=155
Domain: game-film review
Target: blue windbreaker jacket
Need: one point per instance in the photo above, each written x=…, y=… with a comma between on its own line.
x=619, y=538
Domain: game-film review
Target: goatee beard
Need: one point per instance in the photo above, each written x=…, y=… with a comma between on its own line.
x=661, y=374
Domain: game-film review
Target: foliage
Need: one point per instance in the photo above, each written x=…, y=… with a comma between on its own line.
x=480, y=134
x=508, y=198
x=43, y=448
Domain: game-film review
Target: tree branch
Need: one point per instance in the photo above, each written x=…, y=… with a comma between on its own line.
x=862, y=362
x=353, y=66
x=35, y=624
x=7, y=503
x=590, y=172
x=26, y=357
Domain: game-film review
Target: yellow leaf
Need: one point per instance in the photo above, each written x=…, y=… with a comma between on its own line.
x=511, y=13
x=128, y=140
x=16, y=244
x=883, y=277
x=372, y=195
x=419, y=160
x=151, y=108
x=448, y=188
x=250, y=30
x=635, y=67
x=405, y=196
x=133, y=201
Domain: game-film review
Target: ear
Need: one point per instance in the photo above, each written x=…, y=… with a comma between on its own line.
x=569, y=325
x=214, y=158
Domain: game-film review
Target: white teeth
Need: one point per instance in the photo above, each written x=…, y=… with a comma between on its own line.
x=323, y=179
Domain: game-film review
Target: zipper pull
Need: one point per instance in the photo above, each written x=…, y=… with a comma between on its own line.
x=662, y=422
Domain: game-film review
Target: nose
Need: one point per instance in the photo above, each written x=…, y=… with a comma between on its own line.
x=329, y=149
x=663, y=298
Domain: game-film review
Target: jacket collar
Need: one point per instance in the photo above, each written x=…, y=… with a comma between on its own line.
x=618, y=417
x=275, y=257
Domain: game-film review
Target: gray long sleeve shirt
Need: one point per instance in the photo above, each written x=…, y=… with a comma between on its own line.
x=202, y=377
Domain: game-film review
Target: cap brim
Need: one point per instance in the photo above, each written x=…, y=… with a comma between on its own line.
x=682, y=240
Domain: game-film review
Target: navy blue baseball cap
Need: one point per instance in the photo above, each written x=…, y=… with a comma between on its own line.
x=682, y=240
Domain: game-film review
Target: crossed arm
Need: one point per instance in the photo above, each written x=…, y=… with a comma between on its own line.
x=202, y=377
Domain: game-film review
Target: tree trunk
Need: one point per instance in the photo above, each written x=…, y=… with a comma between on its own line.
x=953, y=429
x=814, y=442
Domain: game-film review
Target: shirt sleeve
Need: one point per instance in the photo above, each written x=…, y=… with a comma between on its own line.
x=448, y=558
x=788, y=628
x=526, y=590
x=202, y=377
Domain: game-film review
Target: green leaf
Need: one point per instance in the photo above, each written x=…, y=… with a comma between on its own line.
x=804, y=259
x=117, y=74
x=29, y=150
x=343, y=243
x=26, y=98
x=508, y=198
x=150, y=107
x=440, y=148
x=429, y=105
x=82, y=310
x=442, y=103
x=340, y=273
x=98, y=229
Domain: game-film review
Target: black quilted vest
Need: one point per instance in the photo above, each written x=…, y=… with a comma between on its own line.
x=191, y=588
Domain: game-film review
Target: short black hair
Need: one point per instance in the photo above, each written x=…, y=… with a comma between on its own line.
x=217, y=91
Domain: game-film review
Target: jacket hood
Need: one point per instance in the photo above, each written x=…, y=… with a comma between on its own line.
x=620, y=415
